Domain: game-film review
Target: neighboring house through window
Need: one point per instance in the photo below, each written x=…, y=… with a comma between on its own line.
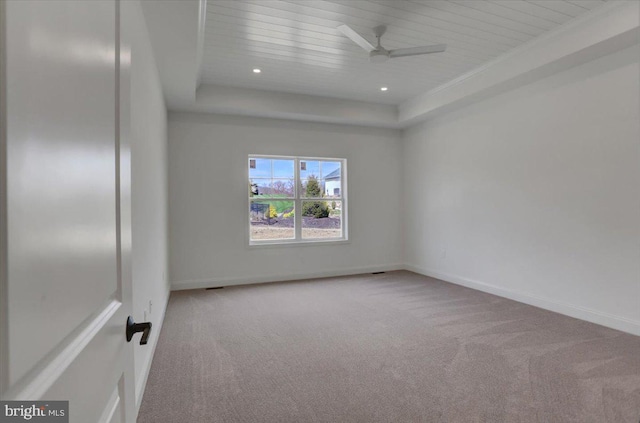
x=332, y=183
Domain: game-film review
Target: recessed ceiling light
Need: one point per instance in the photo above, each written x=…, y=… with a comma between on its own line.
x=383, y=88
x=256, y=70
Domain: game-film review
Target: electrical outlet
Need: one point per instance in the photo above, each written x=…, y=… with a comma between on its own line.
x=150, y=306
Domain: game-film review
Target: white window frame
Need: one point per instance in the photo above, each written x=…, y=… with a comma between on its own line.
x=297, y=199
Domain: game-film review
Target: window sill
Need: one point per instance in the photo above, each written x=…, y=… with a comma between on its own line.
x=295, y=243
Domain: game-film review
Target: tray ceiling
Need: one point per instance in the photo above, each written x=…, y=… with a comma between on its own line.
x=298, y=49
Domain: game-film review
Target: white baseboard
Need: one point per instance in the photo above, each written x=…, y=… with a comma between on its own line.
x=217, y=282
x=142, y=383
x=593, y=316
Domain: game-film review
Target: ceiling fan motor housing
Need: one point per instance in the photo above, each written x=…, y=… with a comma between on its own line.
x=378, y=56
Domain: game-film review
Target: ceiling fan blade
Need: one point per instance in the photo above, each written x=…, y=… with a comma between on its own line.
x=414, y=51
x=356, y=38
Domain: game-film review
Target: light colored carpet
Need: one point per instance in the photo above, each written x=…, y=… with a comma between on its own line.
x=395, y=347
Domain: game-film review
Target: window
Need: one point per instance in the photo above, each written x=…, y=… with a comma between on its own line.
x=296, y=199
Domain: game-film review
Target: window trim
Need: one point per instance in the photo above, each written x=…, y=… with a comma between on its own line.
x=298, y=199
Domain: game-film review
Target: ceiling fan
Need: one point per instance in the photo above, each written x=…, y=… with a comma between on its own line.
x=379, y=54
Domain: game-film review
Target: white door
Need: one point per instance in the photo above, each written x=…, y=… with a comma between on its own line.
x=66, y=277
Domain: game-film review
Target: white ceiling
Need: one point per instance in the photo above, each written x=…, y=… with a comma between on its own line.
x=296, y=45
x=311, y=73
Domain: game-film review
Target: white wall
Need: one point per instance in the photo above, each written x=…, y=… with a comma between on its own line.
x=208, y=199
x=535, y=195
x=149, y=194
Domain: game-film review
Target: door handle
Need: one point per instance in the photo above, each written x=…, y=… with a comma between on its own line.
x=133, y=327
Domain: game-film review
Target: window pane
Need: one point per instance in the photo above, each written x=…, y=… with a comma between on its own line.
x=271, y=176
x=272, y=220
x=321, y=219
